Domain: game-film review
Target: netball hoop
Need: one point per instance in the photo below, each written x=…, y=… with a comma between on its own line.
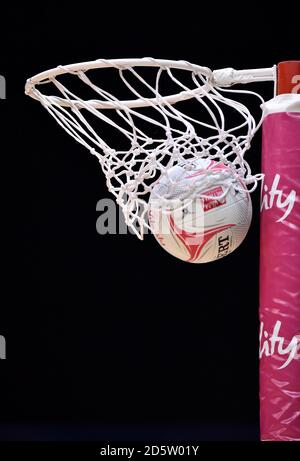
x=160, y=113
x=146, y=118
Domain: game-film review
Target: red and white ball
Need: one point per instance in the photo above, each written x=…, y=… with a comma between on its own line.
x=197, y=229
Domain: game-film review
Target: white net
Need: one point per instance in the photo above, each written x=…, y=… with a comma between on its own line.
x=144, y=117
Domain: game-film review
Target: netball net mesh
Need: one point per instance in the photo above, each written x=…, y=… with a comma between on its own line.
x=143, y=119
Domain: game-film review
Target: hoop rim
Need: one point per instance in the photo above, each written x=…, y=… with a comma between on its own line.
x=220, y=77
x=121, y=64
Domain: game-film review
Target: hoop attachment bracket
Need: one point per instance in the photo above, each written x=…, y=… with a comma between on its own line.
x=229, y=76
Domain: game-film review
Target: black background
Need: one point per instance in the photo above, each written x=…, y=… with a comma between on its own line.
x=108, y=331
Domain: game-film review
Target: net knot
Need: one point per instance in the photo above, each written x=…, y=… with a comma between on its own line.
x=148, y=141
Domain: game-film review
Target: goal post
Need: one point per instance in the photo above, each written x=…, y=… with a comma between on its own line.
x=280, y=260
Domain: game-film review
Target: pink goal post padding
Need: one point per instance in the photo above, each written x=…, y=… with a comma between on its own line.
x=280, y=261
